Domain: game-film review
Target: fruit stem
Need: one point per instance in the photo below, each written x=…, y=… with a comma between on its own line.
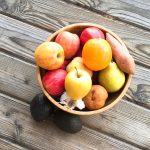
x=77, y=72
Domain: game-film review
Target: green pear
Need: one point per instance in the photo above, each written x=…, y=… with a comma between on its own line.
x=112, y=78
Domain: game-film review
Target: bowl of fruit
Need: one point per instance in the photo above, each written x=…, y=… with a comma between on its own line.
x=84, y=68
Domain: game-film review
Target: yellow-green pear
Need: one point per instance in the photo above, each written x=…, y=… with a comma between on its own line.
x=112, y=78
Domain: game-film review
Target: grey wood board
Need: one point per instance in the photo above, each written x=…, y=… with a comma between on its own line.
x=127, y=120
x=17, y=124
x=54, y=14
x=136, y=12
x=7, y=145
x=22, y=84
x=18, y=78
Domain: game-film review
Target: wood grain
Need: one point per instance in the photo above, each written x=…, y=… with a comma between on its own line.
x=17, y=125
x=54, y=14
x=134, y=12
x=7, y=145
x=126, y=120
x=18, y=78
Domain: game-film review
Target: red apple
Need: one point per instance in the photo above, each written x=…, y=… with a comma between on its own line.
x=64, y=65
x=70, y=43
x=91, y=33
x=53, y=82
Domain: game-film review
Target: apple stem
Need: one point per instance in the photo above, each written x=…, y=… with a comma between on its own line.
x=77, y=72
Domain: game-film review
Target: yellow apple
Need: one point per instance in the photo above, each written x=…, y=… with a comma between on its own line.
x=77, y=62
x=77, y=84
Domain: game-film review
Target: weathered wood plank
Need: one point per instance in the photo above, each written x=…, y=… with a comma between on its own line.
x=18, y=78
x=21, y=83
x=7, y=145
x=126, y=120
x=17, y=124
x=55, y=14
x=135, y=11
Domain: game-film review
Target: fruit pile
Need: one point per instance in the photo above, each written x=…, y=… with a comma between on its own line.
x=83, y=69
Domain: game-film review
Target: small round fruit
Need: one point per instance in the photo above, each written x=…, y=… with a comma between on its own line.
x=54, y=82
x=96, y=54
x=77, y=84
x=49, y=55
x=91, y=33
x=96, y=98
x=70, y=43
x=67, y=122
x=41, y=108
x=77, y=62
x=112, y=78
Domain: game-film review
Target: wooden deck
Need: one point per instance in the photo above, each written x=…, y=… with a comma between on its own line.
x=24, y=24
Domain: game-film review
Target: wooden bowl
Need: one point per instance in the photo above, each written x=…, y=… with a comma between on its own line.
x=113, y=98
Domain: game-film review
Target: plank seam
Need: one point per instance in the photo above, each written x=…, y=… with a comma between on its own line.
x=105, y=15
x=15, y=142
x=26, y=60
x=116, y=138
x=26, y=21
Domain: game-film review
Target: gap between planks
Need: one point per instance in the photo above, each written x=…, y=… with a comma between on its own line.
x=105, y=14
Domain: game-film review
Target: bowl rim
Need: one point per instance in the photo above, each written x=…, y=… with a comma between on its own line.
x=76, y=112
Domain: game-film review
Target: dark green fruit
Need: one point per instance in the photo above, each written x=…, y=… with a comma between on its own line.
x=41, y=107
x=67, y=122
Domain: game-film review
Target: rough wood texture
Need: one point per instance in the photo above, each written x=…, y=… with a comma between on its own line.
x=18, y=78
x=7, y=145
x=17, y=124
x=54, y=14
x=135, y=11
x=127, y=120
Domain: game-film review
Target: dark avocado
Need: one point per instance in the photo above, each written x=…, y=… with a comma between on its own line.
x=67, y=122
x=41, y=107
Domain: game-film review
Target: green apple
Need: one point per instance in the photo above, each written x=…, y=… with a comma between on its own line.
x=77, y=84
x=112, y=78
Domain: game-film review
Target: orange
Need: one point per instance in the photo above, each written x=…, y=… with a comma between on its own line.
x=96, y=54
